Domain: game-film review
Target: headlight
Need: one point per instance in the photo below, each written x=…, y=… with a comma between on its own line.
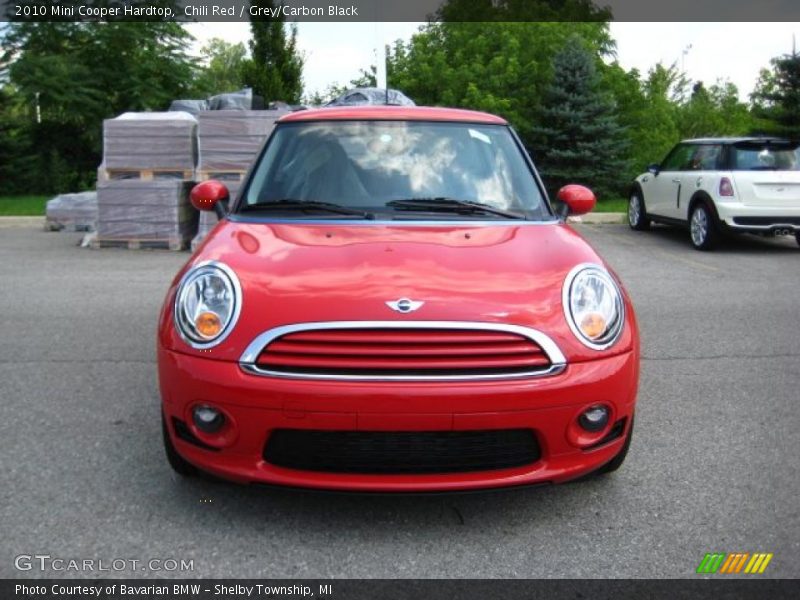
x=593, y=306
x=207, y=304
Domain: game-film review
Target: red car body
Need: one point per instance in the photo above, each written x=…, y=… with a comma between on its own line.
x=480, y=279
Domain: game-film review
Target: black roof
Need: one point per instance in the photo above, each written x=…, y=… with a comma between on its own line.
x=735, y=140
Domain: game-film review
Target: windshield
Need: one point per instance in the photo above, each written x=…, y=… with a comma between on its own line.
x=446, y=170
x=774, y=156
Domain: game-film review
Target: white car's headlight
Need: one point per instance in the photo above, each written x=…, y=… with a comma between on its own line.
x=207, y=304
x=593, y=306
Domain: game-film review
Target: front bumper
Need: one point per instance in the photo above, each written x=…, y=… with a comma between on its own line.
x=256, y=406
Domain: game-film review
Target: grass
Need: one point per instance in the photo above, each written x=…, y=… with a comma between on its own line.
x=612, y=205
x=22, y=206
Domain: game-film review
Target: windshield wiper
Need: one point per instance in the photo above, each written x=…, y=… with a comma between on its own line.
x=307, y=205
x=443, y=204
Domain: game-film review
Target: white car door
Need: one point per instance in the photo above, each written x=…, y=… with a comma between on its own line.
x=700, y=172
x=661, y=191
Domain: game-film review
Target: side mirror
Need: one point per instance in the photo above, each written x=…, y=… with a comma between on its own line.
x=577, y=199
x=655, y=168
x=210, y=195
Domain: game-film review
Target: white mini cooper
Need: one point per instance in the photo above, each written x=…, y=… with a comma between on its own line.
x=722, y=185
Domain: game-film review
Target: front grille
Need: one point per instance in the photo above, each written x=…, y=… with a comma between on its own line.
x=408, y=352
x=401, y=452
x=766, y=221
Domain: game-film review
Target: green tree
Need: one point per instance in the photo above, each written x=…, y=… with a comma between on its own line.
x=16, y=170
x=497, y=67
x=579, y=139
x=648, y=109
x=276, y=68
x=646, y=117
x=776, y=98
x=739, y=120
x=67, y=77
x=366, y=78
x=714, y=112
x=522, y=10
x=223, y=68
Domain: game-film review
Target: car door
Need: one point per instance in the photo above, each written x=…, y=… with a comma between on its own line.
x=700, y=171
x=662, y=190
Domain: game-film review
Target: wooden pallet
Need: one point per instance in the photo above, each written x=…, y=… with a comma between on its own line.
x=221, y=175
x=145, y=174
x=173, y=244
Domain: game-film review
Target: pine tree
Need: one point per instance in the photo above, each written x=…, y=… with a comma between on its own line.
x=578, y=139
x=777, y=96
x=276, y=67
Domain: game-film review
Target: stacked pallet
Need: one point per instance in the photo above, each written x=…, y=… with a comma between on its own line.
x=144, y=182
x=228, y=142
x=149, y=146
x=144, y=214
x=72, y=212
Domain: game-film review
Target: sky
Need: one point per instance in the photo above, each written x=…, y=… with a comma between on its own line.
x=335, y=52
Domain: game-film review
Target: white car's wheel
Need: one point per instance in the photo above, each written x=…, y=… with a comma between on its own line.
x=637, y=216
x=797, y=238
x=702, y=227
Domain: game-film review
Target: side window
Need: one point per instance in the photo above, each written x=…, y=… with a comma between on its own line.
x=679, y=158
x=705, y=157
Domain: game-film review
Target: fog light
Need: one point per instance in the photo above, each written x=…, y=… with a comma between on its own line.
x=594, y=419
x=208, y=419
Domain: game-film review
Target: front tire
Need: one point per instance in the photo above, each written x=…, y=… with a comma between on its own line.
x=703, y=227
x=616, y=462
x=637, y=215
x=797, y=238
x=179, y=464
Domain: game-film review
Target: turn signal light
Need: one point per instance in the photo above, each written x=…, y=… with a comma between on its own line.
x=208, y=324
x=593, y=325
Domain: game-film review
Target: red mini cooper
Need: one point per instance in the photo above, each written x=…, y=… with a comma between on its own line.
x=392, y=304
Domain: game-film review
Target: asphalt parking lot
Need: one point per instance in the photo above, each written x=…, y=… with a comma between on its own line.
x=714, y=464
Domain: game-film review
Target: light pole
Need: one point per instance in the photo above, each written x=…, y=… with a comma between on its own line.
x=683, y=58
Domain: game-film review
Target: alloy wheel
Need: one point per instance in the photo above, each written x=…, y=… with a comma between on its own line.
x=699, y=226
x=634, y=210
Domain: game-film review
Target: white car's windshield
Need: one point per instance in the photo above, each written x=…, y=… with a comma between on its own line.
x=397, y=169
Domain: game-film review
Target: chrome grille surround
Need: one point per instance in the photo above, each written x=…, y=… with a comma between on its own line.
x=558, y=362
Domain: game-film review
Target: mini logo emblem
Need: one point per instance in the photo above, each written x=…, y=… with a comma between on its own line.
x=404, y=305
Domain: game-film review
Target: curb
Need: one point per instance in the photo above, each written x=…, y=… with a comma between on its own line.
x=599, y=218
x=9, y=222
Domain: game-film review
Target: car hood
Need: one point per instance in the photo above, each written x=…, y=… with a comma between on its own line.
x=296, y=273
